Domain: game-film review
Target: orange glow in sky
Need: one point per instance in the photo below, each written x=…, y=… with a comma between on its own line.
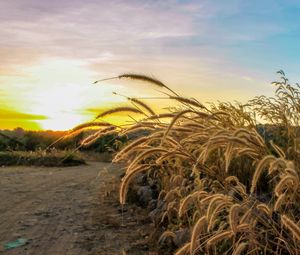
x=51, y=52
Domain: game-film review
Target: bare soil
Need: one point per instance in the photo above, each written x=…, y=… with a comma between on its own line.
x=71, y=210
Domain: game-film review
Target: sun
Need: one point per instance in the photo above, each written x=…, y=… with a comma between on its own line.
x=63, y=93
x=60, y=93
x=62, y=122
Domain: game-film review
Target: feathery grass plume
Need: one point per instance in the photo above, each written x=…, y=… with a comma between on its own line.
x=259, y=139
x=266, y=161
x=197, y=230
x=218, y=209
x=278, y=164
x=162, y=194
x=165, y=235
x=216, y=138
x=142, y=104
x=144, y=154
x=280, y=201
x=206, y=150
x=219, y=237
x=172, y=205
x=139, y=125
x=136, y=101
x=290, y=164
x=127, y=179
x=177, y=116
x=146, y=78
x=140, y=77
x=196, y=216
x=246, y=218
x=183, y=250
x=207, y=199
x=245, y=227
x=182, y=129
x=233, y=217
x=212, y=203
x=217, y=196
x=171, y=154
x=185, y=203
x=119, y=109
x=76, y=130
x=241, y=190
x=188, y=101
x=228, y=155
x=290, y=182
x=278, y=150
x=240, y=248
x=263, y=207
x=291, y=171
x=242, y=132
x=291, y=226
x=165, y=217
x=177, y=180
x=232, y=180
x=189, y=199
x=161, y=116
x=223, y=225
x=171, y=195
x=173, y=142
x=249, y=152
x=89, y=125
x=220, y=113
x=154, y=138
x=239, y=140
x=128, y=148
x=93, y=137
x=250, y=136
x=194, y=125
x=98, y=136
x=137, y=129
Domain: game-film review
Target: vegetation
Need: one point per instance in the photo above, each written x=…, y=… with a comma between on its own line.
x=230, y=183
x=223, y=178
x=56, y=148
x=40, y=158
x=22, y=140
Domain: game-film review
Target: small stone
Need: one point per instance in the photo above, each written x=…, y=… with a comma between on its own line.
x=145, y=195
x=182, y=236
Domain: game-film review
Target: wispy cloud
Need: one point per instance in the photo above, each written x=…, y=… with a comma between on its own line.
x=205, y=46
x=89, y=26
x=89, y=29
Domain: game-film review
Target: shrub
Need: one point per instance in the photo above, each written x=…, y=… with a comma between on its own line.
x=40, y=158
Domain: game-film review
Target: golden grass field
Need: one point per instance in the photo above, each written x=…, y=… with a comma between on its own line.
x=231, y=183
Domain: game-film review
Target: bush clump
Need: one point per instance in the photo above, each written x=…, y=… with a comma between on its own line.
x=40, y=158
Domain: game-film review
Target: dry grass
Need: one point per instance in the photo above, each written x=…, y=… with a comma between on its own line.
x=219, y=173
x=119, y=109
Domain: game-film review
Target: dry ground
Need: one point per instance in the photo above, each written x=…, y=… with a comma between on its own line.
x=72, y=210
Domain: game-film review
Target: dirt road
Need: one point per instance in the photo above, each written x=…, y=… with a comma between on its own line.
x=72, y=210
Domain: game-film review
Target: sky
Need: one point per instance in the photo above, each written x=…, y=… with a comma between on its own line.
x=52, y=51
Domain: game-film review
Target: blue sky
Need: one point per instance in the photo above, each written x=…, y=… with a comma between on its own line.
x=212, y=50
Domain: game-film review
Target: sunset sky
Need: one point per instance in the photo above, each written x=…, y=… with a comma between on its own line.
x=52, y=51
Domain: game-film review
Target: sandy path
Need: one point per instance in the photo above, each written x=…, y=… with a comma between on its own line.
x=71, y=210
